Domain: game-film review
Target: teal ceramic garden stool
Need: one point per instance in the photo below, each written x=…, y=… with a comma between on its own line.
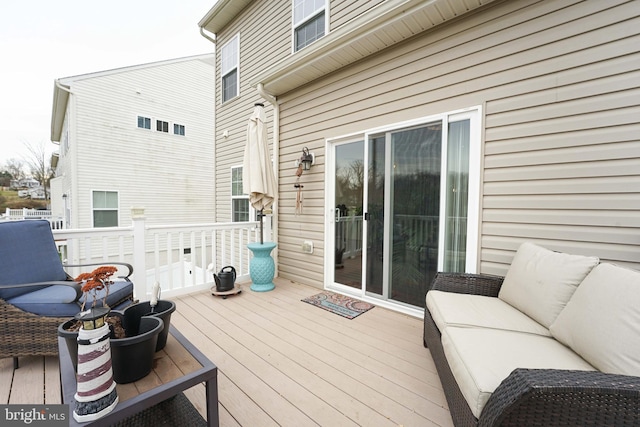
x=262, y=268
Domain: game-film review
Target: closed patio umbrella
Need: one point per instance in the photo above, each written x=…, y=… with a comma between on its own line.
x=257, y=171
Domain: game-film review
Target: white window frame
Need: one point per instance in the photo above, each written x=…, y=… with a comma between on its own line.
x=230, y=61
x=94, y=209
x=153, y=123
x=303, y=20
x=243, y=196
x=178, y=126
x=474, y=114
x=140, y=116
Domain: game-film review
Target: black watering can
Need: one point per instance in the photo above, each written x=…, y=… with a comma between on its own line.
x=225, y=279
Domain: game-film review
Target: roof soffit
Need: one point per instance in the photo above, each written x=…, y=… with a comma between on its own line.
x=58, y=110
x=221, y=14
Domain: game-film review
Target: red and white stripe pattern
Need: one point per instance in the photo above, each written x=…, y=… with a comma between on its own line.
x=95, y=395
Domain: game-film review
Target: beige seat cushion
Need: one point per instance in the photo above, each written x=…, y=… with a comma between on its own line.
x=480, y=359
x=601, y=322
x=539, y=282
x=452, y=309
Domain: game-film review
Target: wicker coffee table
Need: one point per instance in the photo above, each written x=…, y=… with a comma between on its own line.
x=177, y=367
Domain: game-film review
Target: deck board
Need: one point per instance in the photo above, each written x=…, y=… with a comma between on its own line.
x=52, y=383
x=28, y=382
x=285, y=362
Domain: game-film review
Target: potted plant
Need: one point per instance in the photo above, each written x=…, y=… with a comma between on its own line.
x=97, y=280
x=93, y=282
x=131, y=351
x=155, y=307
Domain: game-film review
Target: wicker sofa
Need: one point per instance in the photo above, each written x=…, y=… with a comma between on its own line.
x=556, y=342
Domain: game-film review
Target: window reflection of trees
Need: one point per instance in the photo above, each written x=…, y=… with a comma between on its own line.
x=415, y=210
x=350, y=183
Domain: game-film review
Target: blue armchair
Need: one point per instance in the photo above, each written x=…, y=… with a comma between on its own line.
x=36, y=294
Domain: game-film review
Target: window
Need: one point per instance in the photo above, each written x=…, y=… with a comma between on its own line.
x=105, y=209
x=229, y=60
x=239, y=200
x=144, y=122
x=308, y=22
x=162, y=126
x=178, y=129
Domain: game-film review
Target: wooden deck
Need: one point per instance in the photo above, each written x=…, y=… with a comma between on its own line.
x=288, y=363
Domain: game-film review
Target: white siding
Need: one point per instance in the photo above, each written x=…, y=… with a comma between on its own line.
x=171, y=176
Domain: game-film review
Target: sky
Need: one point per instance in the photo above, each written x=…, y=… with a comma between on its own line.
x=42, y=40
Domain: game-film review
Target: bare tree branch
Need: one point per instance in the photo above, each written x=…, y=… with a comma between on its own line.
x=40, y=164
x=15, y=168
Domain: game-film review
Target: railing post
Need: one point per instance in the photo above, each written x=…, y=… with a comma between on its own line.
x=139, y=276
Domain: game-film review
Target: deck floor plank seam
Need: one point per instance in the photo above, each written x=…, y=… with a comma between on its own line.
x=283, y=362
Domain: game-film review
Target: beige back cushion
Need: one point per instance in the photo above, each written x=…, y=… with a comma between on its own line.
x=602, y=320
x=540, y=282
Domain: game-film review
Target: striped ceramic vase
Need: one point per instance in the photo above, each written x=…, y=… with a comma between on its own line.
x=96, y=394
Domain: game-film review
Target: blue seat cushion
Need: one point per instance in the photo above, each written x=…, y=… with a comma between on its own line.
x=28, y=254
x=54, y=301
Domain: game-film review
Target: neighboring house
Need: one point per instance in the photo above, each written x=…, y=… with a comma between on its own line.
x=445, y=133
x=139, y=136
x=24, y=183
x=33, y=193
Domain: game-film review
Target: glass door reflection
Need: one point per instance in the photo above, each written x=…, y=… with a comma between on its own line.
x=349, y=181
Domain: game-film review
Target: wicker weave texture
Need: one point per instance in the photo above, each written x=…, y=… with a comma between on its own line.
x=534, y=397
x=556, y=398
x=176, y=411
x=458, y=408
x=27, y=334
x=464, y=283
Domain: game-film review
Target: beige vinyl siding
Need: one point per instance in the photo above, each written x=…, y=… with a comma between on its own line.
x=341, y=12
x=260, y=46
x=558, y=80
x=171, y=176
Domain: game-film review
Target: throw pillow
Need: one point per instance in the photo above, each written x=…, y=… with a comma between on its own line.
x=601, y=322
x=539, y=282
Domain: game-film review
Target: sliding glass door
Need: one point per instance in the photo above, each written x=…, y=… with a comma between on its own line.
x=409, y=191
x=348, y=219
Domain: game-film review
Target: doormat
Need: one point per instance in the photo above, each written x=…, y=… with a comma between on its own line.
x=339, y=304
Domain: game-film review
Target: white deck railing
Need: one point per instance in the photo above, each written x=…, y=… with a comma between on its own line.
x=24, y=213
x=349, y=235
x=181, y=258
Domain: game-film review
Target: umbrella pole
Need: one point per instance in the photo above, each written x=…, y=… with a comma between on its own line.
x=261, y=215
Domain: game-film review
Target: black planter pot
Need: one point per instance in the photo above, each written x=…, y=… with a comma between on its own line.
x=132, y=356
x=163, y=310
